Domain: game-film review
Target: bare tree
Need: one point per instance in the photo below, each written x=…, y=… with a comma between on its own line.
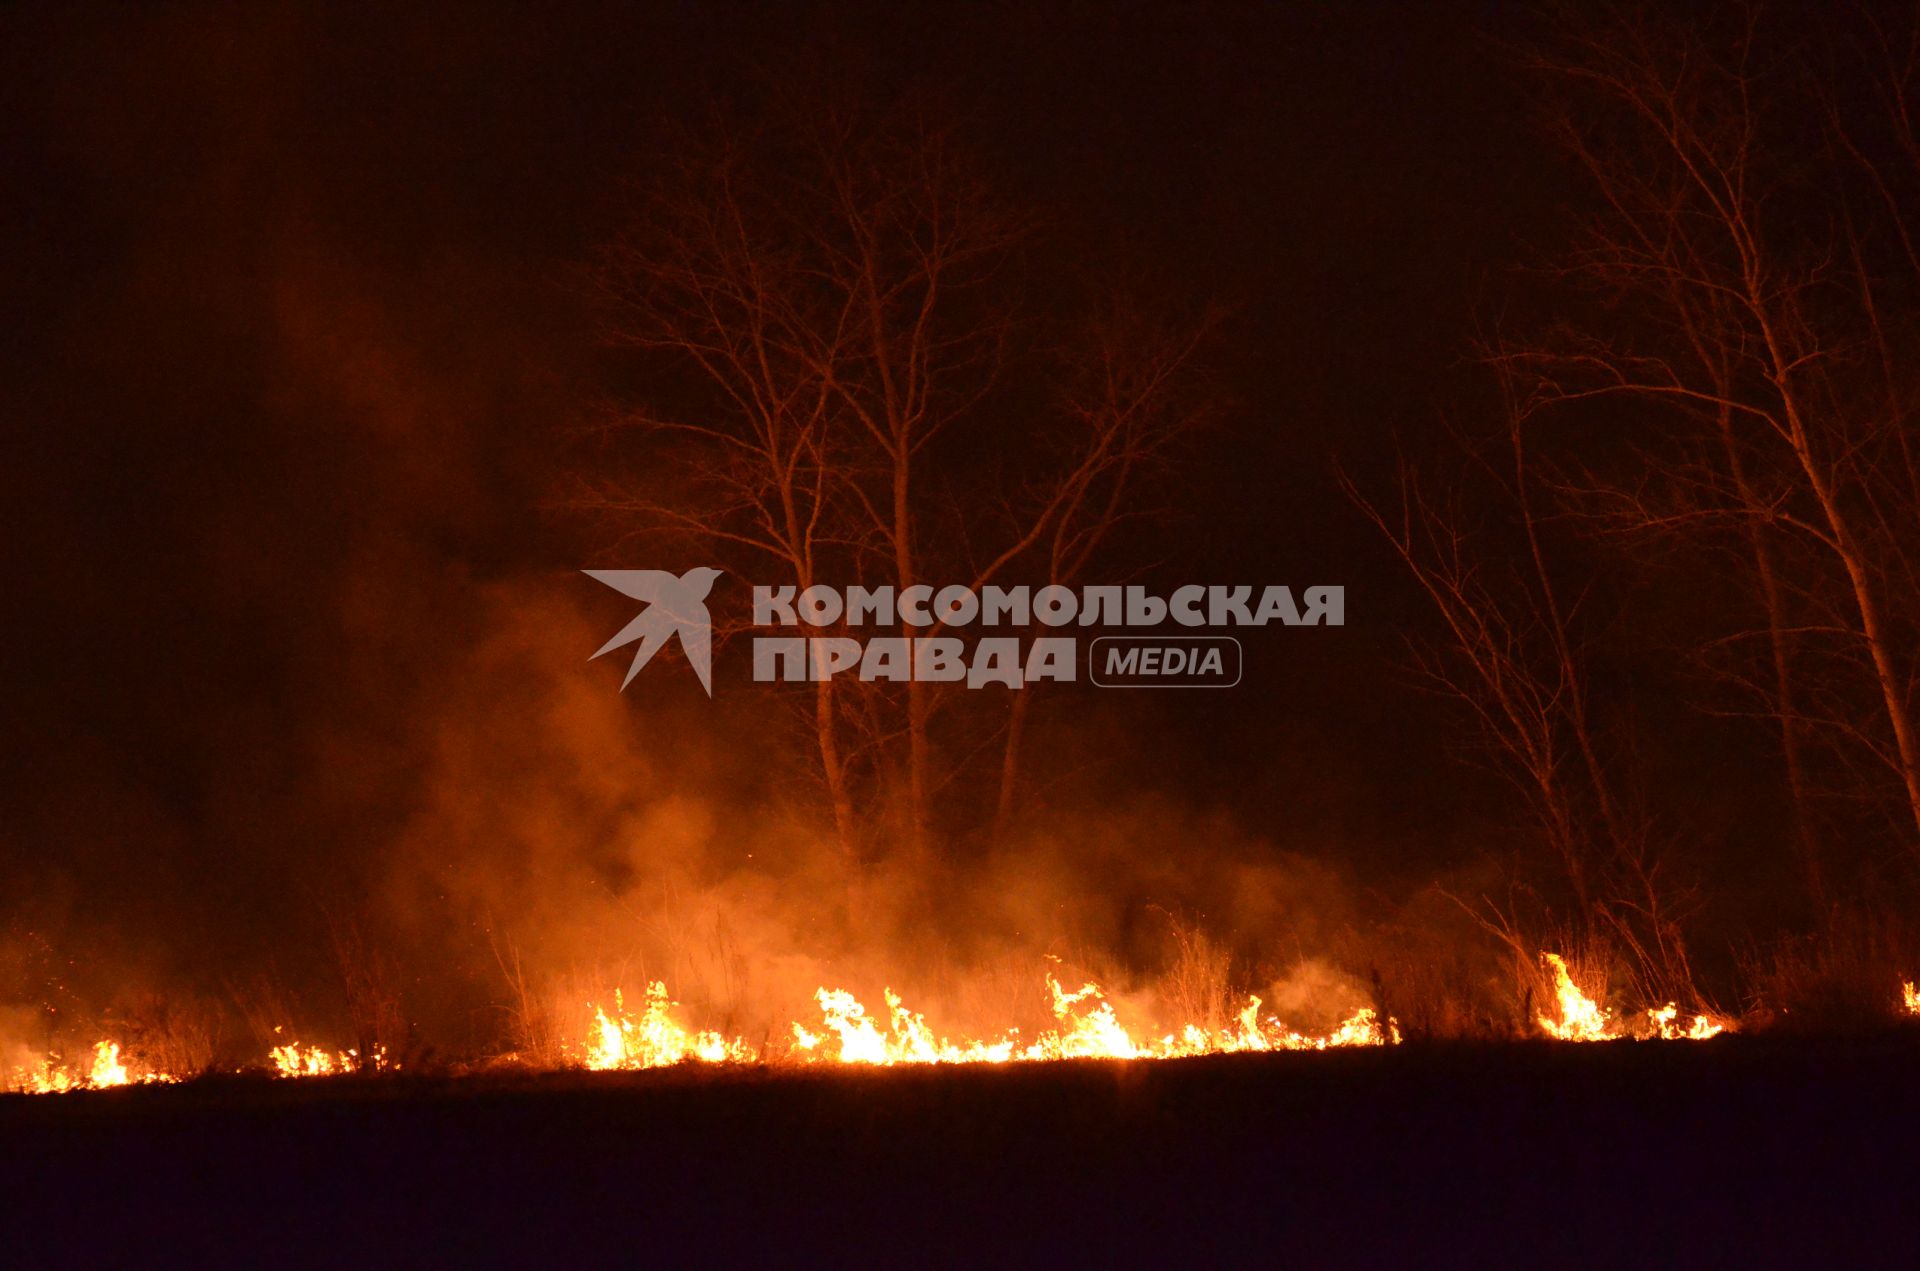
x=1137, y=390
x=720, y=279
x=823, y=299
x=1756, y=354
x=1507, y=650
x=1495, y=657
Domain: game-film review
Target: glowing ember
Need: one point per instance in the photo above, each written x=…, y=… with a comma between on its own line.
x=46, y=1078
x=1698, y=1030
x=292, y=1061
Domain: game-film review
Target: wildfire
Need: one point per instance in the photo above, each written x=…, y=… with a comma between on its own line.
x=1087, y=1026
x=106, y=1069
x=1584, y=1020
x=655, y=1040
x=1581, y=1018
x=292, y=1061
x=1698, y=1030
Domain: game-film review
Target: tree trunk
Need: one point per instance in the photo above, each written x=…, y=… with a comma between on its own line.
x=1782, y=654
x=833, y=769
x=1853, y=559
x=1780, y=651
x=1010, y=766
x=918, y=761
x=1873, y=627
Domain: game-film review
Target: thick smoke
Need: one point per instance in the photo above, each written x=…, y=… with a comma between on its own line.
x=302, y=731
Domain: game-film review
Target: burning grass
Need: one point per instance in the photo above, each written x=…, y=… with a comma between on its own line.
x=1851, y=975
x=1578, y=1018
x=104, y=1068
x=1199, y=1002
x=1086, y=1024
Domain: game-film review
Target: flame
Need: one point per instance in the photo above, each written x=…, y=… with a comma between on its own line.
x=1701, y=1028
x=1581, y=1018
x=292, y=1061
x=1584, y=1020
x=46, y=1079
x=655, y=1040
x=106, y=1069
x=1087, y=1027
x=1910, y=997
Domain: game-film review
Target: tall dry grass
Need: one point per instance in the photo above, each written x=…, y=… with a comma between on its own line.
x=1845, y=976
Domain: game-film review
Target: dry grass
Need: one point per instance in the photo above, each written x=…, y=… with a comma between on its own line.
x=174, y=1035
x=1436, y=972
x=382, y=1031
x=1844, y=977
x=1196, y=986
x=1594, y=964
x=549, y=1022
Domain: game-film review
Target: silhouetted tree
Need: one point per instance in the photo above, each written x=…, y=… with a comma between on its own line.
x=1741, y=289
x=824, y=291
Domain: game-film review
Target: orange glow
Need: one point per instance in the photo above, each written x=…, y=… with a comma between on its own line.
x=292, y=1061
x=654, y=1040
x=106, y=1068
x=1581, y=1019
x=1086, y=1027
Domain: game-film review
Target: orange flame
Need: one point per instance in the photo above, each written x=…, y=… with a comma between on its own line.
x=654, y=1040
x=106, y=1069
x=1584, y=1020
x=1087, y=1027
x=292, y=1061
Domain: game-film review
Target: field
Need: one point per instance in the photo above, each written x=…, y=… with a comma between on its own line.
x=1736, y=1151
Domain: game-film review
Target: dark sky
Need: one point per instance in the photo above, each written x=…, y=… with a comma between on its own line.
x=291, y=353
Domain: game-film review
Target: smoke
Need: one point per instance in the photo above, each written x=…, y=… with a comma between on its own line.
x=566, y=839
x=302, y=722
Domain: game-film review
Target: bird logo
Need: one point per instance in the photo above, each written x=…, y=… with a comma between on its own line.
x=676, y=605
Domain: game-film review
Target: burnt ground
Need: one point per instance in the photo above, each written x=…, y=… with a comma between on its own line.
x=1732, y=1152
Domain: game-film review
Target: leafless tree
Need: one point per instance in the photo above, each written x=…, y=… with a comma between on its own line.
x=1509, y=651
x=1136, y=391
x=823, y=293
x=747, y=306
x=1729, y=294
